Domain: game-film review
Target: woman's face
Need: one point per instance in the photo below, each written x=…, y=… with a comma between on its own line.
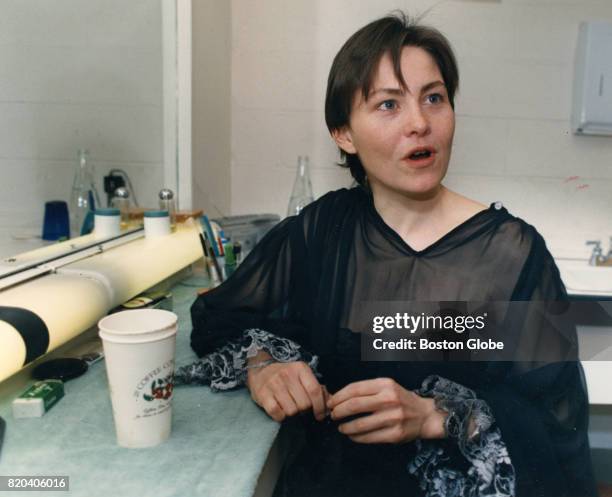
x=402, y=137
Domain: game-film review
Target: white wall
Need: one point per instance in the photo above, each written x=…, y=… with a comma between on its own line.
x=211, y=94
x=513, y=141
x=76, y=74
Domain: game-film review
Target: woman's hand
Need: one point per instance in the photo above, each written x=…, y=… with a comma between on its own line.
x=397, y=415
x=284, y=389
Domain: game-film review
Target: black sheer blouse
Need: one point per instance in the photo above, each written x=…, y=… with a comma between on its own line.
x=303, y=282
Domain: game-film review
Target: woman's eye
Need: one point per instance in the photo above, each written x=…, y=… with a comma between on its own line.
x=388, y=105
x=435, y=98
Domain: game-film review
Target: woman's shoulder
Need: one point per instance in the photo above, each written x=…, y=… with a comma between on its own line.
x=513, y=225
x=502, y=224
x=329, y=213
x=516, y=234
x=501, y=231
x=334, y=204
x=522, y=242
x=340, y=197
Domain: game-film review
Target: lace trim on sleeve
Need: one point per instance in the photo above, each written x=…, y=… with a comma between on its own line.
x=225, y=369
x=489, y=471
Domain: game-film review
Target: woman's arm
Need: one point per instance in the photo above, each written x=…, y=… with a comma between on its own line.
x=247, y=332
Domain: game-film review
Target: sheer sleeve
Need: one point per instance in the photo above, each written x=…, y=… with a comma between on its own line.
x=277, y=286
x=266, y=292
x=257, y=308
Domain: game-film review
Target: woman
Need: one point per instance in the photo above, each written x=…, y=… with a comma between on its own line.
x=284, y=322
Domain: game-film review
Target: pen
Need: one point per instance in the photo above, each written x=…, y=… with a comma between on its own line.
x=215, y=264
x=221, y=250
x=212, y=273
x=203, y=244
x=210, y=235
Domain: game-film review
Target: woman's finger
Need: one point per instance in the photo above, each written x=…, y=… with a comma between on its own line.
x=315, y=392
x=360, y=389
x=272, y=408
x=299, y=395
x=284, y=398
x=356, y=405
x=376, y=421
x=326, y=397
x=391, y=434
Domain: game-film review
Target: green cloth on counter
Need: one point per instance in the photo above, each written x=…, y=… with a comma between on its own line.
x=218, y=446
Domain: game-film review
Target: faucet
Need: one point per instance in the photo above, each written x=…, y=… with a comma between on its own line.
x=597, y=258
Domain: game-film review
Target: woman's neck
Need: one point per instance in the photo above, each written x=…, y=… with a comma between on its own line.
x=424, y=220
x=407, y=214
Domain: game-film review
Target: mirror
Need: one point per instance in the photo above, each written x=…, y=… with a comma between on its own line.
x=92, y=75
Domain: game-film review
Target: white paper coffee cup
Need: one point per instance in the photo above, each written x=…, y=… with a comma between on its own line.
x=139, y=348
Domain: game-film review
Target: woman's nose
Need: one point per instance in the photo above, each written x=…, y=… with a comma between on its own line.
x=416, y=121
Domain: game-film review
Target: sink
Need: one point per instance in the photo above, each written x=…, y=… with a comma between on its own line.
x=582, y=279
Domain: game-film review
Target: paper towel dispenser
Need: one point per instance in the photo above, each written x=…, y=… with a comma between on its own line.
x=592, y=102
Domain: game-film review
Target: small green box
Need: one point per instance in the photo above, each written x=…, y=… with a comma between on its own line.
x=38, y=399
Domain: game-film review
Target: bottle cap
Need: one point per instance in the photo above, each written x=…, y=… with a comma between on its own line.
x=122, y=192
x=166, y=194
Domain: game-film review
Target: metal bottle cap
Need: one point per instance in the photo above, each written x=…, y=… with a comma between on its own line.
x=166, y=194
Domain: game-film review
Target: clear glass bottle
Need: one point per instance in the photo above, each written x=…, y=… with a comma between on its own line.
x=301, y=195
x=83, y=197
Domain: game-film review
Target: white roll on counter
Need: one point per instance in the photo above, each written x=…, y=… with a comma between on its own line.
x=41, y=314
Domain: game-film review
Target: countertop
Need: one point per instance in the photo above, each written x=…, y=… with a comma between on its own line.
x=218, y=446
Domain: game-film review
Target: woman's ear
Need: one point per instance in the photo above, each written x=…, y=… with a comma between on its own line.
x=342, y=137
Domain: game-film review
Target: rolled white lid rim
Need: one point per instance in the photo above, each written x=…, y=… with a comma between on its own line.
x=139, y=325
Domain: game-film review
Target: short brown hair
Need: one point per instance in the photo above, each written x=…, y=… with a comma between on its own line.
x=354, y=65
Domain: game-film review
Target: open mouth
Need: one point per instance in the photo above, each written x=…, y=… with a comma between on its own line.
x=421, y=154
